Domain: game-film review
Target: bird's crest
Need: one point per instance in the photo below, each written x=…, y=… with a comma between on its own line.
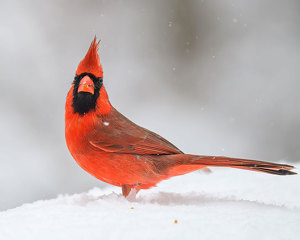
x=91, y=61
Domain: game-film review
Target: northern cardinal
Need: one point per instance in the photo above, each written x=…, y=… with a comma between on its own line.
x=115, y=150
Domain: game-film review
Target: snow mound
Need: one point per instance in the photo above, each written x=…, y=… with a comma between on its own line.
x=227, y=204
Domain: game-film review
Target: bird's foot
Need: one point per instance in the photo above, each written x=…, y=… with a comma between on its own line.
x=129, y=193
x=131, y=197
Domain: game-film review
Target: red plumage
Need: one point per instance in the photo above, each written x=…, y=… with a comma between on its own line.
x=117, y=151
x=91, y=62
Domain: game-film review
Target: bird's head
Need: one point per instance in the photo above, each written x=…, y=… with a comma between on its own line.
x=88, y=82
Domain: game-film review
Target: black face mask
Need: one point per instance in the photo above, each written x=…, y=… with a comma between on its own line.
x=83, y=102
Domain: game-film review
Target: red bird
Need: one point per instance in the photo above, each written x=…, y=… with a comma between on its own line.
x=117, y=151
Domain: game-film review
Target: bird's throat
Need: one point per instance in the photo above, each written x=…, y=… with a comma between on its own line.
x=83, y=102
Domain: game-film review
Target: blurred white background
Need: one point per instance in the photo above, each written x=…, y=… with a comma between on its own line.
x=213, y=77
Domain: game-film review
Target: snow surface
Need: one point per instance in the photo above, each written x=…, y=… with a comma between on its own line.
x=227, y=204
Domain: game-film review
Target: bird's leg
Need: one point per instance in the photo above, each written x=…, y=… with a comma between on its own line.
x=131, y=197
x=125, y=190
x=129, y=193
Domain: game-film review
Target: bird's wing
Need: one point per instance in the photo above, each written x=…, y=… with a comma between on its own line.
x=116, y=133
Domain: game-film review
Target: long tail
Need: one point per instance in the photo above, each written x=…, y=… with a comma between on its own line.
x=253, y=165
x=187, y=163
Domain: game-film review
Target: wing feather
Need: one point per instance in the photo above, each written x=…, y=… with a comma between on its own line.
x=116, y=133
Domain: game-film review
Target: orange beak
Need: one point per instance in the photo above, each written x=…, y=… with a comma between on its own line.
x=86, y=85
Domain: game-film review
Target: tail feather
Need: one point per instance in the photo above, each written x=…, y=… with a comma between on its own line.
x=253, y=165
